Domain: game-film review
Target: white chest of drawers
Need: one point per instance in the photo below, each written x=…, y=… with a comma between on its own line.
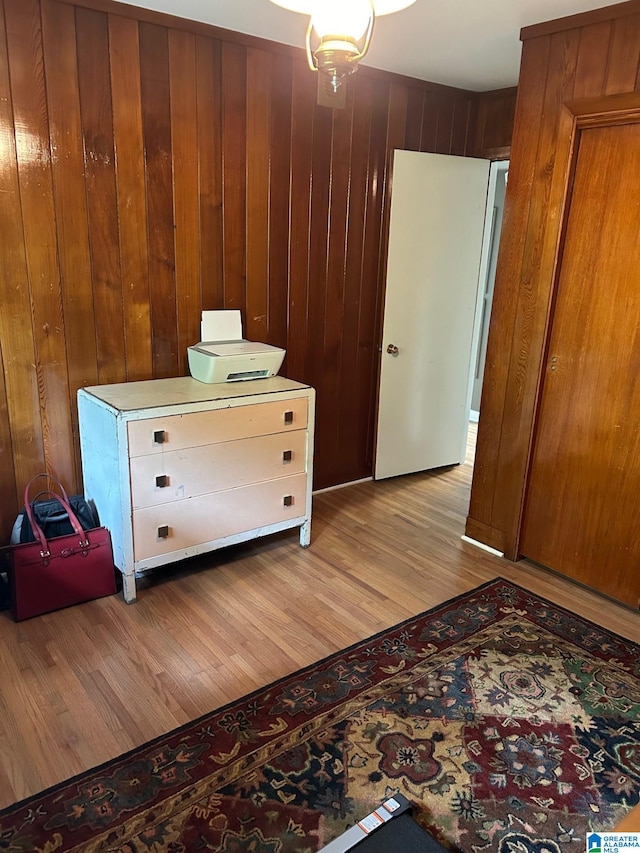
x=176, y=467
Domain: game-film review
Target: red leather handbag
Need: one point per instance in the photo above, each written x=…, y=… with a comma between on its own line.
x=50, y=574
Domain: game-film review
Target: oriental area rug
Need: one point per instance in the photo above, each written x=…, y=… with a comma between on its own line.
x=511, y=724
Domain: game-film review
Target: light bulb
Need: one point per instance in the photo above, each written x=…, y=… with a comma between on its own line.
x=348, y=18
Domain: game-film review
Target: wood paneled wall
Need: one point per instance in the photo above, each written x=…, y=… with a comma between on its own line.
x=152, y=167
x=586, y=59
x=494, y=126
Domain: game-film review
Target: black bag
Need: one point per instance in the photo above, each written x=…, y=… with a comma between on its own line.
x=53, y=518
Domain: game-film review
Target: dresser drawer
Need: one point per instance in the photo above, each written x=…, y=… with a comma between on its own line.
x=183, y=524
x=179, y=474
x=175, y=432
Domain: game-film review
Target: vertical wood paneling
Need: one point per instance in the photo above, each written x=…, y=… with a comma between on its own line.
x=65, y=128
x=460, y=127
x=94, y=79
x=280, y=186
x=429, y=122
x=318, y=247
x=624, y=56
x=302, y=118
x=398, y=107
x=209, y=96
x=26, y=68
x=8, y=494
x=413, y=130
x=21, y=447
x=186, y=213
x=504, y=115
x=68, y=170
x=593, y=55
x=132, y=205
x=156, y=118
x=339, y=200
x=444, y=132
x=190, y=172
x=258, y=165
x=234, y=180
x=491, y=114
x=351, y=446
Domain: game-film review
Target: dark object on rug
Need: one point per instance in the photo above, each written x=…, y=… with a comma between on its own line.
x=403, y=835
x=55, y=572
x=509, y=722
x=388, y=829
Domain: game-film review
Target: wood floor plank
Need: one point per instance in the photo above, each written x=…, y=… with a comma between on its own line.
x=83, y=685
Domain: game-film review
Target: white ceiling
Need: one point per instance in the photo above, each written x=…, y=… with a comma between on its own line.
x=467, y=43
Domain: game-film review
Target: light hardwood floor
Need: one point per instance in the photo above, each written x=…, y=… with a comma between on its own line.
x=83, y=685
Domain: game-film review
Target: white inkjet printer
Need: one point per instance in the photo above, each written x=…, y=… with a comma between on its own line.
x=223, y=355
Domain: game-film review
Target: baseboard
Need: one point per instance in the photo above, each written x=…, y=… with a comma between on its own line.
x=343, y=485
x=482, y=546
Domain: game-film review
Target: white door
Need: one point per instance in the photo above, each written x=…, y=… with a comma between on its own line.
x=435, y=242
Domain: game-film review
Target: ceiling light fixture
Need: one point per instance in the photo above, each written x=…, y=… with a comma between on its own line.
x=339, y=32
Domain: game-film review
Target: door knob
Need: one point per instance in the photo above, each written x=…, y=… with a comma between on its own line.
x=392, y=349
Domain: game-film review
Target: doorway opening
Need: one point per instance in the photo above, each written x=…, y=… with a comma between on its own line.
x=498, y=176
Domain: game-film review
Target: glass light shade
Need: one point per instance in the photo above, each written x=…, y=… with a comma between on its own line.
x=381, y=7
x=348, y=18
x=343, y=28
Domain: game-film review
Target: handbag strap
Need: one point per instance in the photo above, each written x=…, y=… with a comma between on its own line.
x=53, y=493
x=64, y=502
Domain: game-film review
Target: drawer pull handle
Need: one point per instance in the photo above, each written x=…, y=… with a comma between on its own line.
x=159, y=436
x=162, y=481
x=287, y=456
x=288, y=500
x=288, y=417
x=163, y=531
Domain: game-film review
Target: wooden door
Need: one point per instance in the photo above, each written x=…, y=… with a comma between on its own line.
x=435, y=242
x=582, y=510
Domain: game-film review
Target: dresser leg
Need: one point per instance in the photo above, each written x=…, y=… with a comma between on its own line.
x=129, y=587
x=305, y=534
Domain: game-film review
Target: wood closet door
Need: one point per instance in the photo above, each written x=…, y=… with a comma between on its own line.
x=582, y=512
